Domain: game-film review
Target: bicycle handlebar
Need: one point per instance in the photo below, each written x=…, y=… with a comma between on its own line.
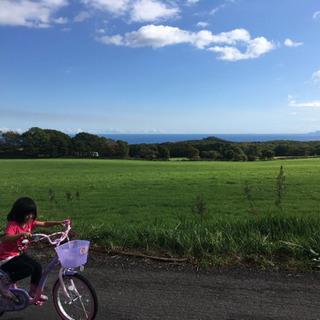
x=64, y=235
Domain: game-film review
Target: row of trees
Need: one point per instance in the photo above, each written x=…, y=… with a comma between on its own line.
x=217, y=149
x=196, y=150
x=38, y=142
x=47, y=143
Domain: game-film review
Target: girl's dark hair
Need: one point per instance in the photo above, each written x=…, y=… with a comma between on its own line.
x=21, y=208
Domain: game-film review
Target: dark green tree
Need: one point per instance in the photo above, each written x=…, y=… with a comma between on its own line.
x=107, y=147
x=193, y=153
x=85, y=145
x=164, y=153
x=267, y=154
x=301, y=150
x=10, y=143
x=58, y=145
x=121, y=149
x=212, y=154
x=35, y=142
x=282, y=148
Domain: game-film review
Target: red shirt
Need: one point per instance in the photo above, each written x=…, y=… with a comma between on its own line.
x=14, y=248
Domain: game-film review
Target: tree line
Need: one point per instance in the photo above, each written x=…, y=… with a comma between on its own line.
x=213, y=148
x=46, y=143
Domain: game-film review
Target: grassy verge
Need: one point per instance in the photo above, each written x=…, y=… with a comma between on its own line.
x=265, y=241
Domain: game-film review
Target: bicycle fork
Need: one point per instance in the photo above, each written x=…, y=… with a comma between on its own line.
x=62, y=272
x=72, y=287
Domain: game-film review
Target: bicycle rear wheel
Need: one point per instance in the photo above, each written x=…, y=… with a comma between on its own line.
x=84, y=303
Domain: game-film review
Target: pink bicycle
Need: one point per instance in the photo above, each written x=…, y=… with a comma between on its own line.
x=74, y=297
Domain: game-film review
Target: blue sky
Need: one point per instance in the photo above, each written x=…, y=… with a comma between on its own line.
x=160, y=66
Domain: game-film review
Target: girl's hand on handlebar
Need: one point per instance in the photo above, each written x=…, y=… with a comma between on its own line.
x=65, y=223
x=26, y=235
x=62, y=223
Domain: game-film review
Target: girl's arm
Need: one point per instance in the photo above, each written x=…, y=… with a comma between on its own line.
x=47, y=224
x=13, y=237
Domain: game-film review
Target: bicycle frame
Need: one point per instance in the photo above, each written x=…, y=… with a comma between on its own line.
x=44, y=279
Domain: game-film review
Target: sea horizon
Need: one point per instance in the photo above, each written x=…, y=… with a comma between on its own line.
x=148, y=138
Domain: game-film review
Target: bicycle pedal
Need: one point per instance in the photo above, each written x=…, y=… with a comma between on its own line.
x=39, y=303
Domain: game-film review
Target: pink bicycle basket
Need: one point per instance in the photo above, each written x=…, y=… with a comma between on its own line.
x=73, y=254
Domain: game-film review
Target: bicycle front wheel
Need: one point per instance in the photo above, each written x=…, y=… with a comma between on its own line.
x=84, y=301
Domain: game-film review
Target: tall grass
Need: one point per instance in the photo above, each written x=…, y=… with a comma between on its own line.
x=267, y=240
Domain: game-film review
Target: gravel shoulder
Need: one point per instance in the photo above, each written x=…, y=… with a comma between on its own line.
x=130, y=288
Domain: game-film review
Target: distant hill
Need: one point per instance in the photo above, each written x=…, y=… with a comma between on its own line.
x=203, y=140
x=214, y=139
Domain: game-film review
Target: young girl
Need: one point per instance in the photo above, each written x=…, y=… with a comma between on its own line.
x=13, y=259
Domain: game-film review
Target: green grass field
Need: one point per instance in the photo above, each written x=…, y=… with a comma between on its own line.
x=151, y=207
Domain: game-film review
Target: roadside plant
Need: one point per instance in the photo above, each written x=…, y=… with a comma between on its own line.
x=280, y=187
x=52, y=198
x=200, y=209
x=51, y=195
x=69, y=196
x=247, y=192
x=69, y=199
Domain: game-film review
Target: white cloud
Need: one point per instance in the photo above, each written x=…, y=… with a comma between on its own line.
x=259, y=46
x=316, y=76
x=202, y=24
x=30, y=13
x=151, y=10
x=228, y=53
x=156, y=36
x=73, y=131
x=215, y=10
x=135, y=10
x=61, y=20
x=312, y=104
x=160, y=36
x=316, y=15
x=255, y=48
x=5, y=129
x=201, y=39
x=232, y=37
x=116, y=40
x=114, y=6
x=290, y=43
x=82, y=16
x=192, y=1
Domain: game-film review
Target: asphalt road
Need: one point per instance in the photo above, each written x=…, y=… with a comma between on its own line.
x=133, y=289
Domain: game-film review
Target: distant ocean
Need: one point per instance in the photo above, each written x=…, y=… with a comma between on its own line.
x=160, y=138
